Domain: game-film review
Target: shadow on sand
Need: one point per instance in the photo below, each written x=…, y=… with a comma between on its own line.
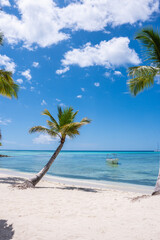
x=74, y=188
x=17, y=180
x=12, y=180
x=6, y=231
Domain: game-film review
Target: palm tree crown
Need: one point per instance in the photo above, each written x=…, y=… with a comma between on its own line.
x=65, y=126
x=8, y=87
x=144, y=76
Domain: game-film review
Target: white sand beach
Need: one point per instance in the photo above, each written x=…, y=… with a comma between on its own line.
x=62, y=212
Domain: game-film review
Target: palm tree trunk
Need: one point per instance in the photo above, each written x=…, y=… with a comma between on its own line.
x=157, y=187
x=33, y=181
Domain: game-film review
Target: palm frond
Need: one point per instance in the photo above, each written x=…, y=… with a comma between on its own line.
x=8, y=87
x=47, y=113
x=151, y=42
x=43, y=130
x=66, y=125
x=72, y=128
x=86, y=121
x=142, y=77
x=65, y=116
x=74, y=115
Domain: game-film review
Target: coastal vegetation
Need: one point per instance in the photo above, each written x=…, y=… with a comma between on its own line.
x=61, y=129
x=8, y=88
x=144, y=76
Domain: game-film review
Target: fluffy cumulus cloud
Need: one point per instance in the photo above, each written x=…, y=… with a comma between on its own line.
x=42, y=22
x=7, y=63
x=27, y=74
x=43, y=139
x=115, y=52
x=95, y=15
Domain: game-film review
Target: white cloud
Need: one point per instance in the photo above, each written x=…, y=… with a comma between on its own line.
x=5, y=121
x=27, y=74
x=7, y=63
x=5, y=3
x=62, y=105
x=22, y=87
x=115, y=52
x=83, y=89
x=43, y=139
x=39, y=24
x=61, y=71
x=107, y=74
x=43, y=102
x=32, y=88
x=96, y=84
x=35, y=64
x=95, y=15
x=58, y=100
x=117, y=73
x=42, y=22
x=20, y=81
x=79, y=96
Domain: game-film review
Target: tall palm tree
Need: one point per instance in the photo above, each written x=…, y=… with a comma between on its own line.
x=8, y=87
x=65, y=126
x=144, y=76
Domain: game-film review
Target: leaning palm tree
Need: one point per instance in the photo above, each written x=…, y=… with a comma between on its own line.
x=144, y=76
x=8, y=87
x=65, y=126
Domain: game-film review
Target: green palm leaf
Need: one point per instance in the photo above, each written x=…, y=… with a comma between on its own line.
x=8, y=87
x=47, y=113
x=66, y=116
x=65, y=125
x=43, y=130
x=151, y=44
x=142, y=77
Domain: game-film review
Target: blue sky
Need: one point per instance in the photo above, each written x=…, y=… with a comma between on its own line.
x=76, y=53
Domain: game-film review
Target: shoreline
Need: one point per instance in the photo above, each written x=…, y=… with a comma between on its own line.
x=126, y=187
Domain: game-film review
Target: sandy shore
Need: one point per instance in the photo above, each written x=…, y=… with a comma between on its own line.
x=65, y=211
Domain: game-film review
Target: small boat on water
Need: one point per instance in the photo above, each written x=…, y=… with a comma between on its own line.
x=112, y=159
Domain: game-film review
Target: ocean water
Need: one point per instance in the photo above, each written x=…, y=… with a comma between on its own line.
x=134, y=167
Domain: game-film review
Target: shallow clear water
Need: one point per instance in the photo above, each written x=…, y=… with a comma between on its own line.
x=134, y=167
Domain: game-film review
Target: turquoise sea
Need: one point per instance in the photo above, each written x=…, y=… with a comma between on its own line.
x=134, y=167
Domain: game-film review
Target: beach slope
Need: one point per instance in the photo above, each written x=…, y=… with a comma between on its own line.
x=62, y=212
